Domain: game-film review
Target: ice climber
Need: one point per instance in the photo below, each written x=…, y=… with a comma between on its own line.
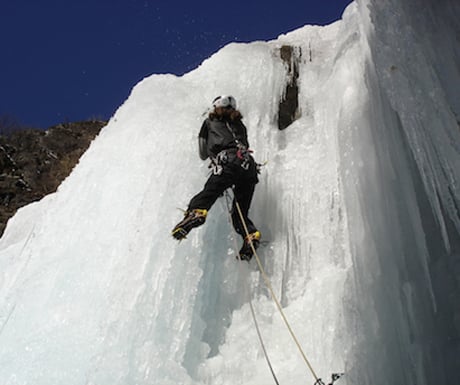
x=223, y=138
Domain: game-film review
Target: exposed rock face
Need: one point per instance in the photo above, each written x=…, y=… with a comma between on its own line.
x=34, y=162
x=289, y=104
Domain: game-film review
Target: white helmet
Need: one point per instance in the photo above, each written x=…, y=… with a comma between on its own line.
x=224, y=101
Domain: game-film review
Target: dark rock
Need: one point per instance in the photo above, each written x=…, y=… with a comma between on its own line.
x=289, y=105
x=34, y=162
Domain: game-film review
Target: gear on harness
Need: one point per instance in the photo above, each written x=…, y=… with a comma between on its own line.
x=243, y=154
x=334, y=378
x=218, y=162
x=193, y=218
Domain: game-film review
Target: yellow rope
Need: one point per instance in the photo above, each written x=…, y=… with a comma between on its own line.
x=275, y=299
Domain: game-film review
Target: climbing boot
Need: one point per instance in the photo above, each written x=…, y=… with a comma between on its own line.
x=246, y=250
x=192, y=218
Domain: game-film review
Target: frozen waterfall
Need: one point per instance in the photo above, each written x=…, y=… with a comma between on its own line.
x=358, y=204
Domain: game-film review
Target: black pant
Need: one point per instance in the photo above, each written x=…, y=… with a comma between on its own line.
x=244, y=182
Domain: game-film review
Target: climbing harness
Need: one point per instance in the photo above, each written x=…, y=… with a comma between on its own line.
x=244, y=154
x=318, y=380
x=222, y=158
x=218, y=162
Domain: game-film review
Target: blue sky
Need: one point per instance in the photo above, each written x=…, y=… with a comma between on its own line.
x=76, y=60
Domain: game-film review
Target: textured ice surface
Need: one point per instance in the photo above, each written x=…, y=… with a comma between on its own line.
x=358, y=203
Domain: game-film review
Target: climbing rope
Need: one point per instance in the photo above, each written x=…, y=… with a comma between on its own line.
x=274, y=297
x=318, y=381
x=246, y=289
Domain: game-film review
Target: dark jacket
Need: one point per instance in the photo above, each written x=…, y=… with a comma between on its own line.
x=221, y=134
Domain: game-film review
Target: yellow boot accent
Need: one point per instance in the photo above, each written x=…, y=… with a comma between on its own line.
x=255, y=236
x=193, y=218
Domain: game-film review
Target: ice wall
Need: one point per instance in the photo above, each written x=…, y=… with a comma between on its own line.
x=358, y=205
x=409, y=220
